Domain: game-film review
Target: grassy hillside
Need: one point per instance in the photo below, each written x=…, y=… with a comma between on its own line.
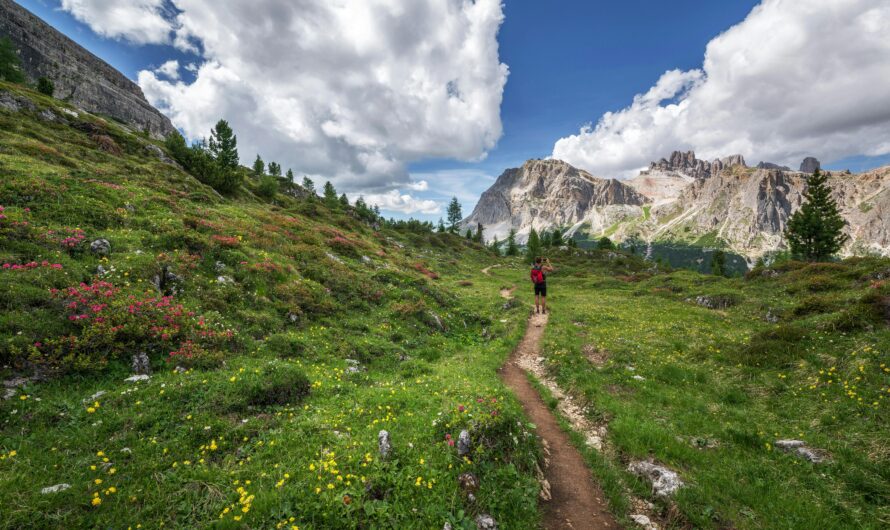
x=283, y=336
x=793, y=352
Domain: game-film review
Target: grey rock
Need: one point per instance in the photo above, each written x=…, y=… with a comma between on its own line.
x=810, y=165
x=665, y=482
x=638, y=378
x=101, y=247
x=770, y=165
x=485, y=522
x=468, y=482
x=224, y=279
x=219, y=266
x=11, y=102
x=771, y=317
x=643, y=521
x=100, y=271
x=159, y=153
x=80, y=77
x=354, y=367
x=48, y=115
x=167, y=282
x=384, y=445
x=687, y=164
x=801, y=449
x=141, y=364
x=366, y=260
x=95, y=396
x=137, y=377
x=463, y=443
x=715, y=302
x=447, y=526
x=55, y=489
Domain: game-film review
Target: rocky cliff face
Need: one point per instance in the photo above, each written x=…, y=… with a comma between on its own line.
x=684, y=200
x=80, y=77
x=544, y=194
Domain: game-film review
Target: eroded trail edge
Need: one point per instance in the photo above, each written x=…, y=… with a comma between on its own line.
x=575, y=501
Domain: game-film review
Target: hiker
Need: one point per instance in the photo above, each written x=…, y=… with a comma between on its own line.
x=539, y=278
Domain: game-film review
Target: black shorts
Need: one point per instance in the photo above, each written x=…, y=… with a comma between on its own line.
x=541, y=289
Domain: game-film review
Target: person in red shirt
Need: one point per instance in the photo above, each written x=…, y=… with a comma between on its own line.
x=539, y=279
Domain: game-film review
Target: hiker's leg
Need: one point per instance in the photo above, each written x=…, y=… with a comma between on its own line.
x=543, y=304
x=537, y=301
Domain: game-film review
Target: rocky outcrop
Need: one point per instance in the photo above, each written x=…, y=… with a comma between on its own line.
x=544, y=194
x=810, y=165
x=687, y=164
x=80, y=77
x=770, y=165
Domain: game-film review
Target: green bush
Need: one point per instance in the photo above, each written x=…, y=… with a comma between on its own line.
x=779, y=346
x=46, y=87
x=277, y=385
x=286, y=345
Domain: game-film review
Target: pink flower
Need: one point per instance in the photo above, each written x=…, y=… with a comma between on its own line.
x=460, y=408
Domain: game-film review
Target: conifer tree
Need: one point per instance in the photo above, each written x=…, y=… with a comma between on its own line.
x=10, y=64
x=815, y=231
x=454, y=214
x=275, y=169
x=290, y=175
x=45, y=86
x=469, y=234
x=441, y=227
x=259, y=167
x=330, y=194
x=512, y=248
x=533, y=247
x=478, y=236
x=495, y=246
x=344, y=200
x=309, y=186
x=223, y=146
x=605, y=243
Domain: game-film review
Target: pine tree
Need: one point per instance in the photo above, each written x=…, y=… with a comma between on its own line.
x=815, y=231
x=557, y=239
x=344, y=201
x=533, y=247
x=469, y=234
x=259, y=167
x=223, y=146
x=46, y=87
x=478, y=236
x=10, y=64
x=441, y=227
x=718, y=263
x=512, y=248
x=495, y=246
x=605, y=243
x=330, y=194
x=309, y=186
x=275, y=169
x=454, y=214
x=290, y=175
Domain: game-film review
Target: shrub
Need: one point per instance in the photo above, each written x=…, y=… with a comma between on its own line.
x=815, y=305
x=285, y=344
x=46, y=87
x=278, y=385
x=779, y=346
x=268, y=186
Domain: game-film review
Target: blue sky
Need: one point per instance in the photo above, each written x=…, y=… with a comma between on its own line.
x=569, y=63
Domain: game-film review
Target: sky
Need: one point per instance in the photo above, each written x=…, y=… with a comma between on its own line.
x=410, y=102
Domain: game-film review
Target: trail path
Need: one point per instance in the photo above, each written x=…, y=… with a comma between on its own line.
x=486, y=270
x=507, y=293
x=576, y=501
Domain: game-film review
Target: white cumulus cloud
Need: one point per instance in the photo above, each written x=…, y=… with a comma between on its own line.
x=795, y=78
x=169, y=69
x=395, y=201
x=350, y=89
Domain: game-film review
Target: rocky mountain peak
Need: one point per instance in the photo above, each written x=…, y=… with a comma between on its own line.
x=687, y=164
x=810, y=165
x=79, y=77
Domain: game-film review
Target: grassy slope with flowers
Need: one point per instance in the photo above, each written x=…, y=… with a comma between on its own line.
x=267, y=306
x=721, y=386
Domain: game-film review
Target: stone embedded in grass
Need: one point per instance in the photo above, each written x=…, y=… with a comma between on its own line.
x=463, y=443
x=55, y=489
x=137, y=377
x=801, y=449
x=354, y=367
x=101, y=247
x=486, y=522
x=468, y=482
x=383, y=444
x=141, y=364
x=664, y=481
x=643, y=521
x=720, y=301
x=771, y=317
x=95, y=396
x=638, y=378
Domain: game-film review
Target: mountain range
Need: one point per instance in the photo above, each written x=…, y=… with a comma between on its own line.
x=682, y=199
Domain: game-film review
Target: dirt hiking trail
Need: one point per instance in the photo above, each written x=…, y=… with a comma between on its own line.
x=575, y=502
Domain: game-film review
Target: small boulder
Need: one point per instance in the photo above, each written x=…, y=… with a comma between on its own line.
x=55, y=489
x=140, y=364
x=101, y=247
x=638, y=378
x=643, y=521
x=801, y=449
x=665, y=482
x=384, y=445
x=771, y=317
x=463, y=443
x=137, y=377
x=48, y=115
x=468, y=482
x=486, y=522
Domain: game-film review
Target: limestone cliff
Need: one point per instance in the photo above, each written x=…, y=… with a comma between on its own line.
x=80, y=77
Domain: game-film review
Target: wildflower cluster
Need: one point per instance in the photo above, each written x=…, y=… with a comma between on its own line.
x=240, y=508
x=109, y=323
x=32, y=265
x=67, y=238
x=227, y=241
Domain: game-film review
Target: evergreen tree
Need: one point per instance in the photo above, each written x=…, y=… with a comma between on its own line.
x=495, y=246
x=454, y=214
x=441, y=227
x=290, y=175
x=275, y=169
x=545, y=239
x=814, y=232
x=605, y=243
x=469, y=234
x=718, y=263
x=259, y=167
x=46, y=87
x=478, y=236
x=376, y=210
x=512, y=248
x=344, y=201
x=10, y=64
x=557, y=239
x=330, y=194
x=533, y=247
x=223, y=146
x=309, y=186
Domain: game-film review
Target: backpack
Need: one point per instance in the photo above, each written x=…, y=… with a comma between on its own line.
x=537, y=275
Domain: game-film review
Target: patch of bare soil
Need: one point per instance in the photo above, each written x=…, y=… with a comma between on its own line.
x=597, y=356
